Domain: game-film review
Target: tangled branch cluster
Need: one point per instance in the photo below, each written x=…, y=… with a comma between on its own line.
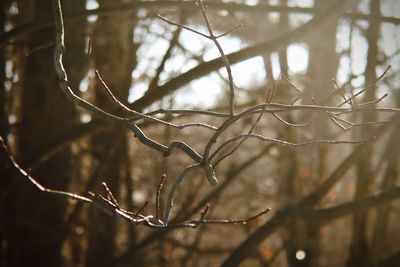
x=211, y=156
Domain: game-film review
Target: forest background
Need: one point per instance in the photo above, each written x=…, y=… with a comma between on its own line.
x=291, y=105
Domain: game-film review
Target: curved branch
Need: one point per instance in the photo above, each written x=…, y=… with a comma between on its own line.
x=328, y=214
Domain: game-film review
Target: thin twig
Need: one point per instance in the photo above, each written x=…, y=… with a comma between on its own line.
x=213, y=38
x=172, y=43
x=33, y=181
x=340, y=90
x=377, y=100
x=139, y=211
x=171, y=195
x=39, y=48
x=240, y=221
x=369, y=85
x=288, y=123
x=110, y=195
x=89, y=45
x=203, y=214
x=270, y=95
x=291, y=84
x=160, y=186
x=65, y=87
x=229, y=31
x=146, y=116
x=380, y=76
x=223, y=56
x=300, y=144
x=182, y=26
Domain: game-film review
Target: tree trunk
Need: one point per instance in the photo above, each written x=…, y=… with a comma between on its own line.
x=36, y=220
x=359, y=248
x=114, y=56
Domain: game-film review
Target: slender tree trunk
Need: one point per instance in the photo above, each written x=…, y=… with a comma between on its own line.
x=359, y=248
x=76, y=64
x=323, y=63
x=389, y=181
x=289, y=164
x=3, y=103
x=114, y=56
x=3, y=133
x=284, y=26
x=37, y=218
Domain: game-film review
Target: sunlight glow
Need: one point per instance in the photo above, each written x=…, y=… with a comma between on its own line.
x=90, y=5
x=137, y=91
x=13, y=9
x=276, y=68
x=247, y=74
x=301, y=3
x=359, y=48
x=85, y=118
x=300, y=255
x=297, y=58
x=343, y=72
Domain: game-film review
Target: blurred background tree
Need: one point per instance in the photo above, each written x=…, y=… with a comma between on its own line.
x=332, y=205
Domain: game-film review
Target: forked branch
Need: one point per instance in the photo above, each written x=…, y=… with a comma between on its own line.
x=230, y=118
x=108, y=203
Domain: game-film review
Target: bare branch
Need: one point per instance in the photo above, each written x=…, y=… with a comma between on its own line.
x=340, y=90
x=146, y=116
x=139, y=211
x=224, y=57
x=368, y=86
x=182, y=26
x=291, y=84
x=229, y=31
x=288, y=123
x=270, y=95
x=359, y=205
x=241, y=221
x=109, y=203
x=110, y=195
x=171, y=195
x=158, y=206
x=301, y=144
x=33, y=181
x=197, y=223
